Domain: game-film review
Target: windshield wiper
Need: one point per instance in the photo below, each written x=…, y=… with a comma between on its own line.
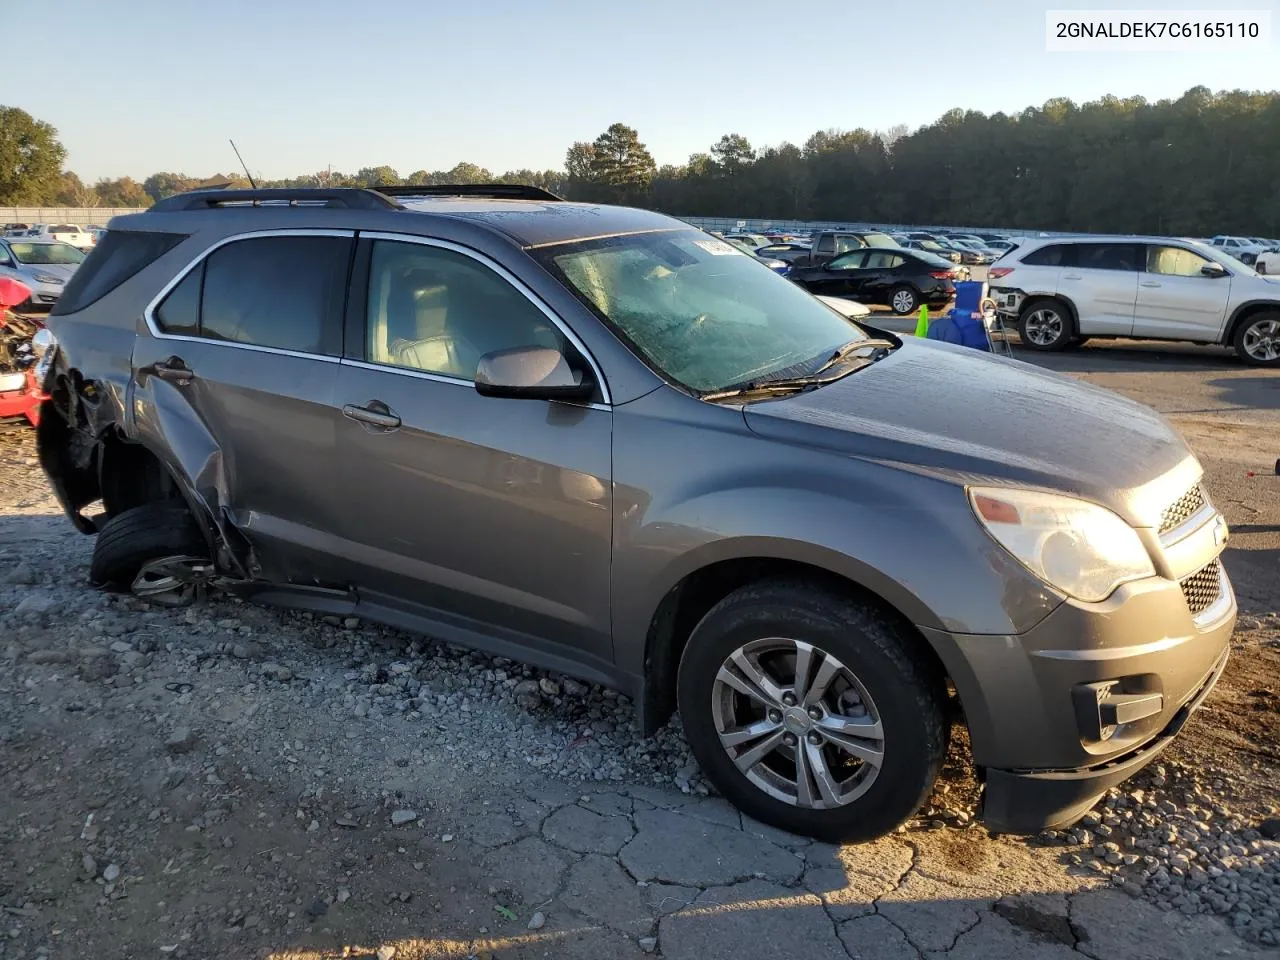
x=881, y=348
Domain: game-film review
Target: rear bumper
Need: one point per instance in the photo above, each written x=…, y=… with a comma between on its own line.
x=1030, y=801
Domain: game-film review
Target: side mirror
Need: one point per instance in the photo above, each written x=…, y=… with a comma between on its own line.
x=531, y=373
x=1214, y=270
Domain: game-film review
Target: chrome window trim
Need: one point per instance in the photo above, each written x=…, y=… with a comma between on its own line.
x=510, y=278
x=441, y=378
x=148, y=313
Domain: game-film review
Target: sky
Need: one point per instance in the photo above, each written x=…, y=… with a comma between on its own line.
x=139, y=86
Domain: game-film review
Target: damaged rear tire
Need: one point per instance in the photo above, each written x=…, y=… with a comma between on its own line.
x=139, y=535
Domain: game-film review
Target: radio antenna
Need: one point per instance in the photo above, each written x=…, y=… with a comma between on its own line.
x=243, y=164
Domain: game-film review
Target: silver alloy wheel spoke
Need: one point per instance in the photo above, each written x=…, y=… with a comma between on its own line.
x=854, y=736
x=797, y=723
x=752, y=731
x=746, y=677
x=817, y=765
x=757, y=753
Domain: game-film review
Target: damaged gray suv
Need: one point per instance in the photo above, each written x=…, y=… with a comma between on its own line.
x=600, y=441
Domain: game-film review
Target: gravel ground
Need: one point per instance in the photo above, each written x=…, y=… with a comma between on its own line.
x=169, y=771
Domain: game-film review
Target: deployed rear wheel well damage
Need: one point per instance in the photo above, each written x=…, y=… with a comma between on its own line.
x=692, y=598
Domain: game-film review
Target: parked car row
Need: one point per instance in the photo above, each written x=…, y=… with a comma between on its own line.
x=83, y=238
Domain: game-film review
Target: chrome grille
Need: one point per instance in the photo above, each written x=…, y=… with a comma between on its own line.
x=1203, y=588
x=1181, y=509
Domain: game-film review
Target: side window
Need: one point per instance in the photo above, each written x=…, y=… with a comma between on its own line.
x=883, y=260
x=179, y=312
x=1051, y=255
x=847, y=243
x=826, y=244
x=1174, y=261
x=1107, y=256
x=849, y=261
x=439, y=311
x=281, y=292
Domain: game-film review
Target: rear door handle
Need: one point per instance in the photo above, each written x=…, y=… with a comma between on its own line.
x=1150, y=283
x=174, y=370
x=1072, y=276
x=375, y=413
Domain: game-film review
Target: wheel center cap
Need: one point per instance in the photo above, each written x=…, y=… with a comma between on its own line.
x=796, y=720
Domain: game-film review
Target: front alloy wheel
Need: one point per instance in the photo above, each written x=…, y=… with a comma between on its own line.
x=813, y=711
x=1258, y=341
x=798, y=723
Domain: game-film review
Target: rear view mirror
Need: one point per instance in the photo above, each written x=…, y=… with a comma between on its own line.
x=1213, y=270
x=531, y=373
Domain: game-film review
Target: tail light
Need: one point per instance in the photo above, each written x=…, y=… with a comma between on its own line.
x=995, y=273
x=943, y=274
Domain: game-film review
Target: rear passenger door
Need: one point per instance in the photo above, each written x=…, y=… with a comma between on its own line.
x=1101, y=280
x=478, y=518
x=881, y=272
x=234, y=372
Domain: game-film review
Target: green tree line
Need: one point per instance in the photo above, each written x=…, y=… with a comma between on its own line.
x=1203, y=163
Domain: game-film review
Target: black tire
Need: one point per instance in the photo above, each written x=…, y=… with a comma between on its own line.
x=1270, y=318
x=909, y=297
x=893, y=667
x=1051, y=325
x=1260, y=267
x=129, y=539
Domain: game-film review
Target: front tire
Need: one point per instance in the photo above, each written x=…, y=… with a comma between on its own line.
x=137, y=536
x=904, y=300
x=1257, y=339
x=1046, y=325
x=813, y=712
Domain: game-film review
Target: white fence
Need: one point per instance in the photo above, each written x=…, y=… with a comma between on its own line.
x=80, y=216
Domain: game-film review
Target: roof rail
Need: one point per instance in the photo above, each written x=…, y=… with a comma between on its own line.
x=498, y=191
x=352, y=198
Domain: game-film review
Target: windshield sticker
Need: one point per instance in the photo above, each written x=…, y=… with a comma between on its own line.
x=718, y=248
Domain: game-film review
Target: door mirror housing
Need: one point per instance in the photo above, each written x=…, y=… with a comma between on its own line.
x=1213, y=270
x=531, y=373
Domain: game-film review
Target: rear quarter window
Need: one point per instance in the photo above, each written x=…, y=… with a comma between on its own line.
x=1051, y=255
x=118, y=256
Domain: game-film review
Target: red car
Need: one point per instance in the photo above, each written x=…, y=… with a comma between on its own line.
x=20, y=393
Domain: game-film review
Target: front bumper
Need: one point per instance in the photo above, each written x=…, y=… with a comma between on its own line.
x=1030, y=801
x=1089, y=696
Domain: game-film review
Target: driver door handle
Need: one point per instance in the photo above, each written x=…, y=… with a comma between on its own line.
x=375, y=413
x=174, y=370
x=1150, y=283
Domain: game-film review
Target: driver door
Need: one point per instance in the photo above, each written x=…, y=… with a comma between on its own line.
x=842, y=277
x=490, y=516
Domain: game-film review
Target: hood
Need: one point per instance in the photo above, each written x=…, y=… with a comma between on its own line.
x=62, y=271
x=972, y=417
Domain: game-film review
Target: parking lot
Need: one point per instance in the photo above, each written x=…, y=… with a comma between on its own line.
x=228, y=780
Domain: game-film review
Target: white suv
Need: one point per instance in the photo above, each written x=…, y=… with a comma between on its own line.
x=1064, y=290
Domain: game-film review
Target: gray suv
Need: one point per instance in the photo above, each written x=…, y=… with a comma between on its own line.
x=606, y=443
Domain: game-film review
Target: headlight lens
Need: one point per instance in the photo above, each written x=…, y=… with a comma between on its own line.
x=47, y=278
x=1080, y=548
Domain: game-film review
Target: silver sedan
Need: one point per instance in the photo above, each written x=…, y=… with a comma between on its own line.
x=43, y=265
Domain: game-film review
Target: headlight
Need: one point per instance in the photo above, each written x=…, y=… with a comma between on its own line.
x=46, y=278
x=1080, y=548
